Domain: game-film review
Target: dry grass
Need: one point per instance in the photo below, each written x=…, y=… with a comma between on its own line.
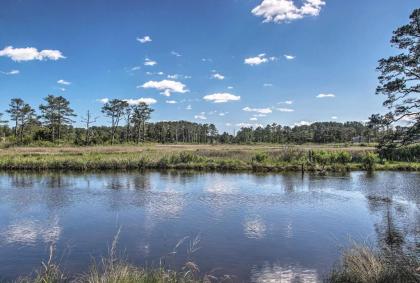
x=261, y=158
x=176, y=148
x=361, y=264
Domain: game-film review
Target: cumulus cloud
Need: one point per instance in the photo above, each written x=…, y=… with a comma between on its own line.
x=285, y=110
x=144, y=39
x=104, y=100
x=249, y=125
x=221, y=97
x=259, y=59
x=132, y=101
x=201, y=116
x=258, y=110
x=10, y=73
x=166, y=86
x=303, y=123
x=218, y=76
x=289, y=57
x=30, y=53
x=325, y=95
x=279, y=11
x=146, y=100
x=149, y=62
x=63, y=82
x=288, y=102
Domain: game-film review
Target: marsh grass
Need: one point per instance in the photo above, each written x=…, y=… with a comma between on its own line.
x=361, y=264
x=114, y=268
x=221, y=158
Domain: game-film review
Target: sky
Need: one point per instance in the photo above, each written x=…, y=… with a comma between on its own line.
x=233, y=63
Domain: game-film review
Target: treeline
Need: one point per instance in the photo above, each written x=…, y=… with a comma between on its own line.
x=53, y=122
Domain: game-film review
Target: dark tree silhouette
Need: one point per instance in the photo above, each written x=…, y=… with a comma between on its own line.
x=399, y=81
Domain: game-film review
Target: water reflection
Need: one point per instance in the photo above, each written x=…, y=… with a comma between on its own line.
x=28, y=232
x=255, y=228
x=277, y=273
x=287, y=226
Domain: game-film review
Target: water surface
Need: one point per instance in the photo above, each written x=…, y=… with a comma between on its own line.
x=255, y=227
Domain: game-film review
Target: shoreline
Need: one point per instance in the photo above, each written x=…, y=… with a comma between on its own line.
x=203, y=158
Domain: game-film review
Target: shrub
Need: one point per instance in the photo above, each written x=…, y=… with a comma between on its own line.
x=260, y=157
x=369, y=161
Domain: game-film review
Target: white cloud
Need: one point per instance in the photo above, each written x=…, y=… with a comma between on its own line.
x=288, y=102
x=334, y=117
x=258, y=110
x=268, y=85
x=144, y=39
x=166, y=86
x=253, y=119
x=259, y=59
x=104, y=100
x=200, y=116
x=149, y=62
x=131, y=101
x=218, y=76
x=171, y=101
x=62, y=89
x=260, y=115
x=12, y=72
x=30, y=53
x=135, y=68
x=285, y=110
x=146, y=100
x=280, y=11
x=228, y=124
x=230, y=87
x=249, y=125
x=189, y=107
x=221, y=97
x=63, y=82
x=325, y=95
x=289, y=57
x=176, y=54
x=303, y=123
x=223, y=113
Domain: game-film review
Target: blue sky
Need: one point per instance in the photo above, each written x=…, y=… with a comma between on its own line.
x=221, y=61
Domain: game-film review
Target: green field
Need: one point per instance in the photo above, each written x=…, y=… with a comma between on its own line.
x=265, y=158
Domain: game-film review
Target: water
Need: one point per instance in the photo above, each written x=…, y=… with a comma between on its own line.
x=255, y=227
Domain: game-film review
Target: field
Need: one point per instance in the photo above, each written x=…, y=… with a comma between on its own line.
x=331, y=157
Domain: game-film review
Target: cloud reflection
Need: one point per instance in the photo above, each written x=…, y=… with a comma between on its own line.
x=29, y=232
x=255, y=228
x=277, y=273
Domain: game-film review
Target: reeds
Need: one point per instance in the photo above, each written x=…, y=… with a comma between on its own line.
x=245, y=158
x=361, y=264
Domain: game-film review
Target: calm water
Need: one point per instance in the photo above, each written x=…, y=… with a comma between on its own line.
x=256, y=227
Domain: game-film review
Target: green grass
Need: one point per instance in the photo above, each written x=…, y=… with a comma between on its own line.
x=220, y=158
x=358, y=264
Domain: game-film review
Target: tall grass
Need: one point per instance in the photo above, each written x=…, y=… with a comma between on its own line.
x=223, y=159
x=361, y=264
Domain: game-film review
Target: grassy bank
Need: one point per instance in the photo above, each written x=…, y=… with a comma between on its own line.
x=359, y=264
x=259, y=158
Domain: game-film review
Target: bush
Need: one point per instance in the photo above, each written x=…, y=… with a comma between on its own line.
x=260, y=157
x=369, y=161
